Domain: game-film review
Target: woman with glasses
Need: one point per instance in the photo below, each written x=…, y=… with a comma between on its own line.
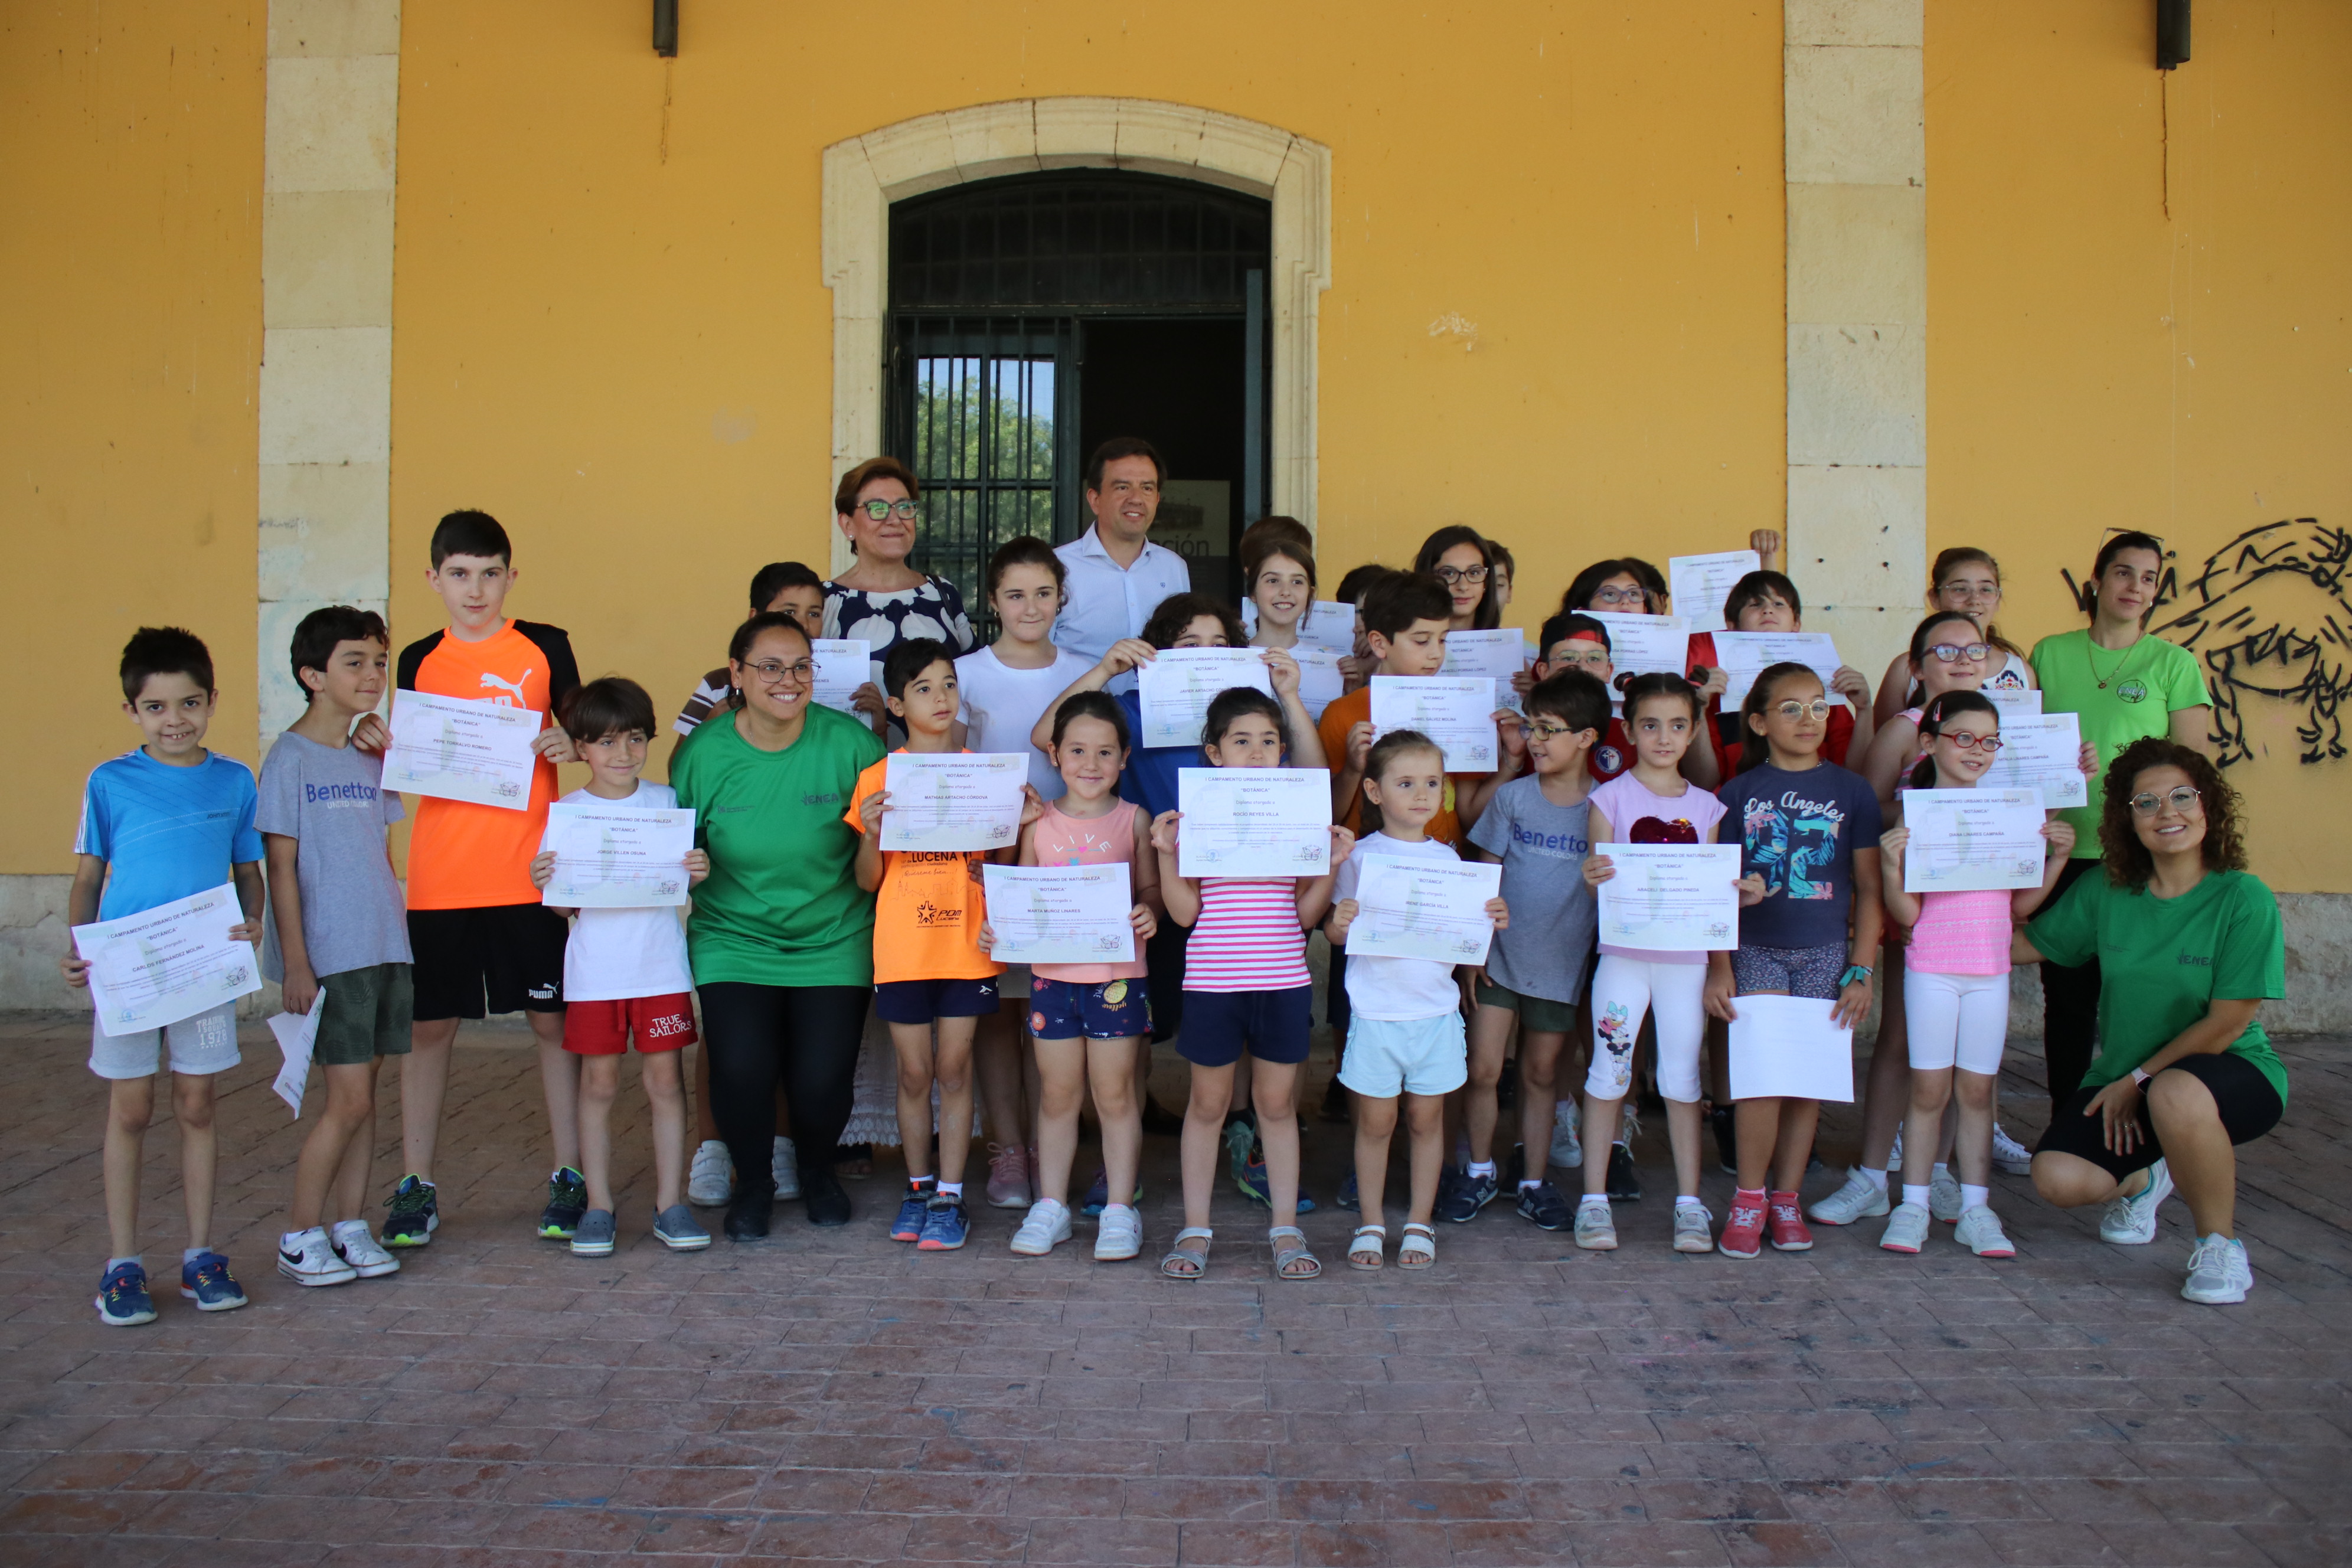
x=1969, y=580
x=1460, y=557
x=2122, y=685
x=879, y=507
x=2189, y=945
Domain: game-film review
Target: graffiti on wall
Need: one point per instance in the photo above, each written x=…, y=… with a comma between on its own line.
x=2268, y=617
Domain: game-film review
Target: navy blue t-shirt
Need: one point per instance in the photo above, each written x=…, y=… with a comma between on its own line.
x=1798, y=831
x=1149, y=781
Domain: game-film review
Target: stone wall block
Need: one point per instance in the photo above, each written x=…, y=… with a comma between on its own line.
x=326, y=395
x=1855, y=117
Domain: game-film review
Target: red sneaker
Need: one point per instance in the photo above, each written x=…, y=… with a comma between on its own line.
x=1743, y=1232
x=1788, y=1224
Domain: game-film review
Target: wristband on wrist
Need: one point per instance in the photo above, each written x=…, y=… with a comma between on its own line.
x=1854, y=972
x=2140, y=1077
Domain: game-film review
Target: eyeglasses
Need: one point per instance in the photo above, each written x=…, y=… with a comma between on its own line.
x=1619, y=596
x=775, y=672
x=1592, y=658
x=1552, y=732
x=1449, y=575
x=2181, y=799
x=1988, y=744
x=1818, y=708
x=906, y=511
x=1952, y=653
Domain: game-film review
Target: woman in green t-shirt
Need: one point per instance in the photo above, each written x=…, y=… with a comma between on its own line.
x=782, y=938
x=2189, y=945
x=2123, y=684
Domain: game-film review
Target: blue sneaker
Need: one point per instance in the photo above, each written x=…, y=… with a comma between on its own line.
x=1460, y=1195
x=1348, y=1198
x=1098, y=1195
x=1252, y=1181
x=945, y=1226
x=206, y=1281
x=909, y=1225
x=416, y=1213
x=123, y=1299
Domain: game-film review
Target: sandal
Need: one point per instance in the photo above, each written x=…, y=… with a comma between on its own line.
x=1419, y=1247
x=1364, y=1250
x=1182, y=1262
x=1285, y=1256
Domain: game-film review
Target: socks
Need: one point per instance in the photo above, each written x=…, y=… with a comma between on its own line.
x=1596, y=1200
x=1687, y=1200
x=191, y=1253
x=1531, y=1186
x=1943, y=1170
x=952, y=1190
x=1876, y=1178
x=1912, y=1194
x=135, y=1260
x=1482, y=1167
x=1973, y=1197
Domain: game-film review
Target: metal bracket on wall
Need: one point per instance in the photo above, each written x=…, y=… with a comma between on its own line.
x=666, y=28
x=2171, y=34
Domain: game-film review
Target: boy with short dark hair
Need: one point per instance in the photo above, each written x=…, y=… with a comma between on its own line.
x=160, y=824
x=1405, y=616
x=1579, y=641
x=337, y=937
x=483, y=940
x=785, y=586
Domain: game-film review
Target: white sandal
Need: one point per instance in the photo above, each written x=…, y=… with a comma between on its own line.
x=1293, y=1251
x=1419, y=1247
x=1367, y=1254
x=1118, y=1235
x=1182, y=1263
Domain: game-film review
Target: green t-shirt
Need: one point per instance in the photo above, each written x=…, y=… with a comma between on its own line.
x=2162, y=961
x=782, y=905
x=2147, y=683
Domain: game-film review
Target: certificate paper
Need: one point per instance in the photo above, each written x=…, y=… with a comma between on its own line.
x=298, y=1035
x=2041, y=752
x=455, y=749
x=1329, y=622
x=167, y=963
x=1647, y=645
x=2015, y=702
x=1458, y=713
x=1496, y=655
x=1700, y=584
x=1965, y=840
x=1411, y=907
x=610, y=858
x=1174, y=690
x=1788, y=1046
x=952, y=801
x=1060, y=914
x=1320, y=683
x=1254, y=822
x=1671, y=897
x=843, y=665
x=1746, y=655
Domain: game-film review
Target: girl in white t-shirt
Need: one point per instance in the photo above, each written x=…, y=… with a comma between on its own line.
x=1966, y=579
x=1650, y=803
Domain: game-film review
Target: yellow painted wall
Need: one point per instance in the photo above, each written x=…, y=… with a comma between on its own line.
x=131, y=338
x=2139, y=290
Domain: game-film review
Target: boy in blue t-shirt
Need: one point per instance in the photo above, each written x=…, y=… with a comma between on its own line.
x=160, y=824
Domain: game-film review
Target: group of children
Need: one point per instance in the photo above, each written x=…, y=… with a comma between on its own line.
x=1587, y=761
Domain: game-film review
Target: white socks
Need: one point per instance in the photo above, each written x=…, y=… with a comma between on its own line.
x=1876, y=1178
x=1973, y=1197
x=1912, y=1194
x=1482, y=1167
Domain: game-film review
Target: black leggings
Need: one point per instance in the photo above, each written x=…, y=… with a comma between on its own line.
x=2070, y=1007
x=807, y=1033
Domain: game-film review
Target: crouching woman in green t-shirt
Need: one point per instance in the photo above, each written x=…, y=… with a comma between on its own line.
x=2189, y=945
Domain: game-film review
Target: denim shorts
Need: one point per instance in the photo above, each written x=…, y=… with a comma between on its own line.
x=1272, y=1026
x=205, y=1043
x=1094, y=1010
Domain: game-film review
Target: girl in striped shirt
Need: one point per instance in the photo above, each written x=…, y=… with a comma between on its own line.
x=1245, y=989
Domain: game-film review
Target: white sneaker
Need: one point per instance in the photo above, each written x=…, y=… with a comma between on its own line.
x=1567, y=1142
x=1694, y=1228
x=1979, y=1231
x=2131, y=1221
x=1894, y=1156
x=308, y=1257
x=356, y=1246
x=711, y=1181
x=788, y=1169
x=2010, y=1156
x=1944, y=1196
x=1859, y=1199
x=1907, y=1229
x=1596, y=1227
x=1045, y=1226
x=1119, y=1234
x=2219, y=1273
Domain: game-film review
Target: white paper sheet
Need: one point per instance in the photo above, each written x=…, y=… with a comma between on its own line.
x=1671, y=897
x=1456, y=713
x=1965, y=840
x=1328, y=623
x=1320, y=682
x=952, y=801
x=2041, y=752
x=1060, y=914
x=1746, y=655
x=610, y=858
x=2016, y=702
x=1411, y=908
x=1647, y=645
x=1174, y=690
x=1498, y=656
x=1788, y=1046
x=843, y=665
x=296, y=1035
x=1700, y=584
x=456, y=749
x=1254, y=822
x=167, y=963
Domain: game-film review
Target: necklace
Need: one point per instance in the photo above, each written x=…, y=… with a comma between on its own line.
x=2116, y=673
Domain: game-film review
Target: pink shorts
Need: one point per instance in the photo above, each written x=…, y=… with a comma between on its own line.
x=602, y=1029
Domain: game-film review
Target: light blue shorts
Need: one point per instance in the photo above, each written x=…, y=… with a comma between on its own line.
x=205, y=1043
x=1388, y=1057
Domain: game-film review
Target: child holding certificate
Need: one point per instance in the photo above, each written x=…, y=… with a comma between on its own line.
x=625, y=973
x=1246, y=990
x=1088, y=1019
x=1767, y=600
x=1955, y=998
x=1404, y=1032
x=159, y=824
x=1809, y=838
x=1651, y=803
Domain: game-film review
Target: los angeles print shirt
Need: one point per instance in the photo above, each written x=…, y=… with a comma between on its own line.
x=1798, y=831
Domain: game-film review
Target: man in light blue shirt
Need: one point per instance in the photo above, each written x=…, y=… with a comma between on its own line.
x=1117, y=575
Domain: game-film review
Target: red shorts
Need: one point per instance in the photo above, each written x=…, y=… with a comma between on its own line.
x=602, y=1028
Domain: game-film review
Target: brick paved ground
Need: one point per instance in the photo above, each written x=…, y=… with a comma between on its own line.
x=830, y=1397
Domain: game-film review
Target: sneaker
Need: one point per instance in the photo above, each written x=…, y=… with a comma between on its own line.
x=824, y=1199
x=1907, y=1229
x=1460, y=1195
x=1727, y=1139
x=1542, y=1206
x=1944, y=1196
x=567, y=1200
x=2131, y=1221
x=1119, y=1236
x=677, y=1228
x=1596, y=1229
x=945, y=1225
x=416, y=1213
x=123, y=1299
x=593, y=1234
x=1743, y=1232
x=1693, y=1228
x=2218, y=1272
x=784, y=1163
x=1979, y=1231
x=1623, y=1185
x=1567, y=1144
x=312, y=1260
x=711, y=1180
x=1045, y=1227
x=205, y=1280
x=1788, y=1226
x=1241, y=1154
x=1257, y=1185
x=356, y=1246
x=913, y=1209
x=1008, y=1177
x=1860, y=1198
x=2011, y=1157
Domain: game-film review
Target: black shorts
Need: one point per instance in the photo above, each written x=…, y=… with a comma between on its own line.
x=511, y=955
x=2249, y=1105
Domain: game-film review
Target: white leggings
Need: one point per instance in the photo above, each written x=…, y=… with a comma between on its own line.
x=1962, y=1018
x=1623, y=990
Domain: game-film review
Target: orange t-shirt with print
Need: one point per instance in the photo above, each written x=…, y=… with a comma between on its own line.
x=927, y=913
x=1343, y=715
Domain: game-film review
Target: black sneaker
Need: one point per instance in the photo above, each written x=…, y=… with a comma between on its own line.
x=1542, y=1206
x=1727, y=1139
x=747, y=1213
x=1461, y=1195
x=1624, y=1186
x=416, y=1213
x=567, y=1200
x=827, y=1200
